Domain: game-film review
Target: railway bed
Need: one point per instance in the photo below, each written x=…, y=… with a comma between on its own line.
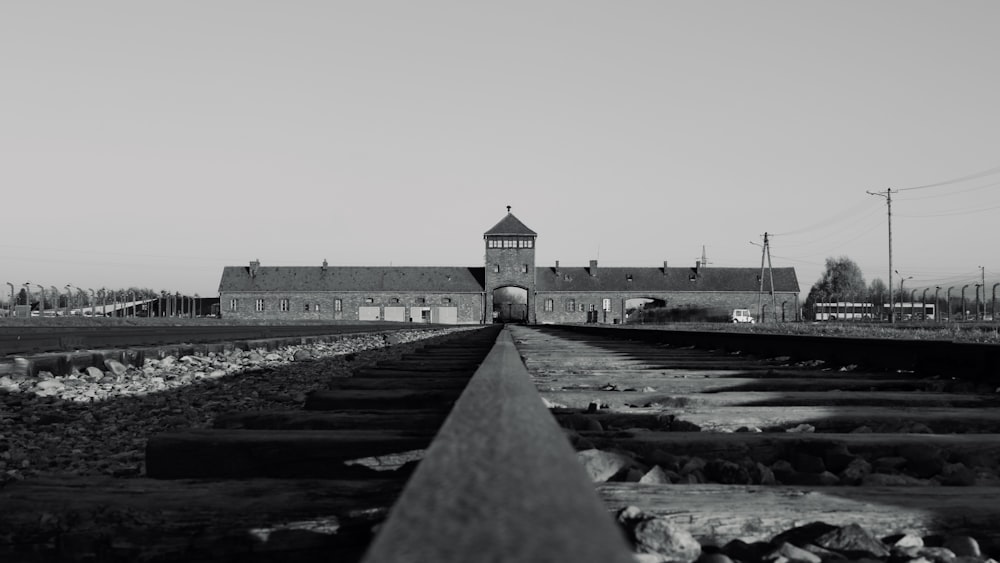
x=528, y=452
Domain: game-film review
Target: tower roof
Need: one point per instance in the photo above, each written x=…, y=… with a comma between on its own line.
x=510, y=225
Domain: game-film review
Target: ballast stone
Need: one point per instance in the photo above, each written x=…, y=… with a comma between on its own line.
x=601, y=465
x=115, y=367
x=657, y=540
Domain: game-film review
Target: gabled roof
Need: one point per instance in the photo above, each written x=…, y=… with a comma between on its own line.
x=429, y=279
x=510, y=225
x=578, y=279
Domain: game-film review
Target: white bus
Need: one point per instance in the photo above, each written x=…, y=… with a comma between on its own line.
x=844, y=311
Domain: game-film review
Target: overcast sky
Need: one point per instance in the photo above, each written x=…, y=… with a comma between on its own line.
x=150, y=144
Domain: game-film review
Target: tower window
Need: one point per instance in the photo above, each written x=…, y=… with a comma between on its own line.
x=496, y=268
x=524, y=268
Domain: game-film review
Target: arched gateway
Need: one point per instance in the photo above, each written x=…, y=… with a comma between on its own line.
x=510, y=270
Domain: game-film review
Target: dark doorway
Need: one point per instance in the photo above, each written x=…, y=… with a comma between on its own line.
x=510, y=305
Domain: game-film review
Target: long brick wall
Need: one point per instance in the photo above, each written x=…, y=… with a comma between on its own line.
x=323, y=306
x=710, y=306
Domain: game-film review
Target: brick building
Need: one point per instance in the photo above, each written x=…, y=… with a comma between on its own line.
x=509, y=287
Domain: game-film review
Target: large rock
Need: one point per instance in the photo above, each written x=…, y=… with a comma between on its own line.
x=602, y=466
x=856, y=471
x=301, y=355
x=94, y=373
x=655, y=476
x=854, y=541
x=654, y=535
x=115, y=367
x=788, y=552
x=49, y=387
x=727, y=472
x=963, y=546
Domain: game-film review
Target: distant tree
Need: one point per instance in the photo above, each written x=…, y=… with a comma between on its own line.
x=878, y=290
x=842, y=280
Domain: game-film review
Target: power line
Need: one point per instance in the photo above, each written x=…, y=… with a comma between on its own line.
x=949, y=194
x=953, y=213
x=989, y=172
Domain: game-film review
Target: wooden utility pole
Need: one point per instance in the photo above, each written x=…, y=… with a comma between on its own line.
x=765, y=254
x=887, y=194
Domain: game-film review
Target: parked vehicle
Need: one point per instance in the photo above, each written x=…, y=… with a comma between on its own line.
x=742, y=316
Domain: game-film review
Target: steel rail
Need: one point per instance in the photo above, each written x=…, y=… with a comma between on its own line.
x=500, y=482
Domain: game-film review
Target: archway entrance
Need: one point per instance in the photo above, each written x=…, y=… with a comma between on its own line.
x=510, y=305
x=643, y=309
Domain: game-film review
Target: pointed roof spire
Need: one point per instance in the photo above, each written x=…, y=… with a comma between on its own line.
x=510, y=225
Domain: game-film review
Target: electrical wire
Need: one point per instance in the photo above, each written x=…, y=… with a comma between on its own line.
x=970, y=211
x=846, y=213
x=982, y=174
x=949, y=194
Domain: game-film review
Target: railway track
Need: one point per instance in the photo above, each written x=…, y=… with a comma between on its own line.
x=449, y=455
x=739, y=448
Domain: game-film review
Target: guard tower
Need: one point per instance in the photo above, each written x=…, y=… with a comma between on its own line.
x=510, y=271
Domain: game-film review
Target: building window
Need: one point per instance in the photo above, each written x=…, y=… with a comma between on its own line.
x=317, y=307
x=421, y=300
x=283, y=305
x=394, y=300
x=549, y=305
x=446, y=300
x=307, y=307
x=233, y=303
x=259, y=305
x=606, y=304
x=496, y=268
x=524, y=268
x=592, y=307
x=580, y=308
x=338, y=305
x=369, y=300
x=570, y=305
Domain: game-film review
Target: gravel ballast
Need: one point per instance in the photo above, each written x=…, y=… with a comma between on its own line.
x=96, y=422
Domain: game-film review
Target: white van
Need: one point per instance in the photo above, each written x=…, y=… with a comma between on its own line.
x=742, y=316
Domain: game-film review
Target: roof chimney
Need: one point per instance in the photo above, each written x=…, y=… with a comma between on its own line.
x=557, y=267
x=664, y=267
x=324, y=264
x=593, y=268
x=254, y=266
x=697, y=266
